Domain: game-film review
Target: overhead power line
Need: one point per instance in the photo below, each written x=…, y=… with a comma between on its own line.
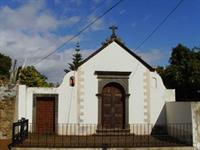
x=91, y=12
x=160, y=24
x=80, y=32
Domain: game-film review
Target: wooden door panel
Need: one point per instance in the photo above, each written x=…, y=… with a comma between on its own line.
x=45, y=115
x=112, y=107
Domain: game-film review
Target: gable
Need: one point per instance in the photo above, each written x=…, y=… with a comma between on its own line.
x=124, y=48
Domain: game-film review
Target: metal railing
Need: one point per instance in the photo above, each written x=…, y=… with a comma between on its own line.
x=88, y=135
x=19, y=132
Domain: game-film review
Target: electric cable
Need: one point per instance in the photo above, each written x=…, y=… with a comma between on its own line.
x=80, y=32
x=160, y=24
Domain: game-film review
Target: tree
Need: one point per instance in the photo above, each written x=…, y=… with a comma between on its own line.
x=183, y=73
x=5, y=65
x=32, y=78
x=77, y=59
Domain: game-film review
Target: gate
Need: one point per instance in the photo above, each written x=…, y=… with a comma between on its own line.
x=19, y=132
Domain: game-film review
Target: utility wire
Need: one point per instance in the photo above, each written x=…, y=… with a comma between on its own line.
x=160, y=24
x=93, y=11
x=155, y=29
x=80, y=32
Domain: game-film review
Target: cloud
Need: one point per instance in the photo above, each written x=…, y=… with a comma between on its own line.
x=30, y=31
x=98, y=25
x=26, y=33
x=77, y=2
x=146, y=18
x=133, y=25
x=32, y=17
x=60, y=62
x=72, y=20
x=58, y=1
x=153, y=57
x=96, y=1
x=122, y=11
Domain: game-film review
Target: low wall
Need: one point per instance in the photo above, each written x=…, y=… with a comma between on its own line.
x=185, y=113
x=179, y=120
x=7, y=111
x=178, y=112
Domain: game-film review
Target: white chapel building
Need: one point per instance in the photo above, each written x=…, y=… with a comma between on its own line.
x=113, y=88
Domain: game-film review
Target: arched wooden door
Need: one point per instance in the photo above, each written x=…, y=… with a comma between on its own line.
x=113, y=107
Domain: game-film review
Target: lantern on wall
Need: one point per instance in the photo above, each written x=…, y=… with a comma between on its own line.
x=72, y=81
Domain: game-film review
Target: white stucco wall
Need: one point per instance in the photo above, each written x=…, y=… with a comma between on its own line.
x=114, y=58
x=178, y=112
x=79, y=104
x=22, y=90
x=67, y=106
x=66, y=100
x=179, y=120
x=158, y=97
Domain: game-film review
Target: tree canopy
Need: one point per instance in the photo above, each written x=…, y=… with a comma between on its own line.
x=5, y=65
x=32, y=78
x=183, y=73
x=77, y=59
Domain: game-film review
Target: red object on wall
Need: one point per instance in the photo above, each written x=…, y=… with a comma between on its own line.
x=72, y=81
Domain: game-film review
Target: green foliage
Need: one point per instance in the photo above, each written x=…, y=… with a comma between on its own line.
x=77, y=59
x=32, y=78
x=183, y=73
x=5, y=65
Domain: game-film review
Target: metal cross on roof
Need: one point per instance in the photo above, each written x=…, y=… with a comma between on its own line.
x=113, y=28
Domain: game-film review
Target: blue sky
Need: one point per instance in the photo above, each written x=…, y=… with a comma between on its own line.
x=31, y=29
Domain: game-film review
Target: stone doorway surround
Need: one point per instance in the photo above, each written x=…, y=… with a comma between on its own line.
x=35, y=96
x=121, y=78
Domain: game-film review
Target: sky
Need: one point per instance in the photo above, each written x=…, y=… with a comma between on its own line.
x=31, y=29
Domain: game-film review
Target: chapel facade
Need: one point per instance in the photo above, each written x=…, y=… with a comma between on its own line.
x=113, y=88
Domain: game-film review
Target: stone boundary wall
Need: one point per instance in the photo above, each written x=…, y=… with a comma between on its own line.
x=7, y=110
x=196, y=123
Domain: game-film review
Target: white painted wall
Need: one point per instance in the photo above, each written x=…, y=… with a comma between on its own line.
x=66, y=100
x=114, y=58
x=21, y=101
x=159, y=96
x=79, y=104
x=178, y=112
x=67, y=106
x=179, y=119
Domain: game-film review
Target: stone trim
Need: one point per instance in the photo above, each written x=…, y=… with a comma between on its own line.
x=146, y=81
x=195, y=110
x=121, y=78
x=112, y=73
x=80, y=96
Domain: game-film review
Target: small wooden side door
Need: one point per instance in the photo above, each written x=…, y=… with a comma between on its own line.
x=45, y=115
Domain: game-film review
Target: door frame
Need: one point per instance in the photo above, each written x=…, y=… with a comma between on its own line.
x=120, y=88
x=35, y=96
x=121, y=78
